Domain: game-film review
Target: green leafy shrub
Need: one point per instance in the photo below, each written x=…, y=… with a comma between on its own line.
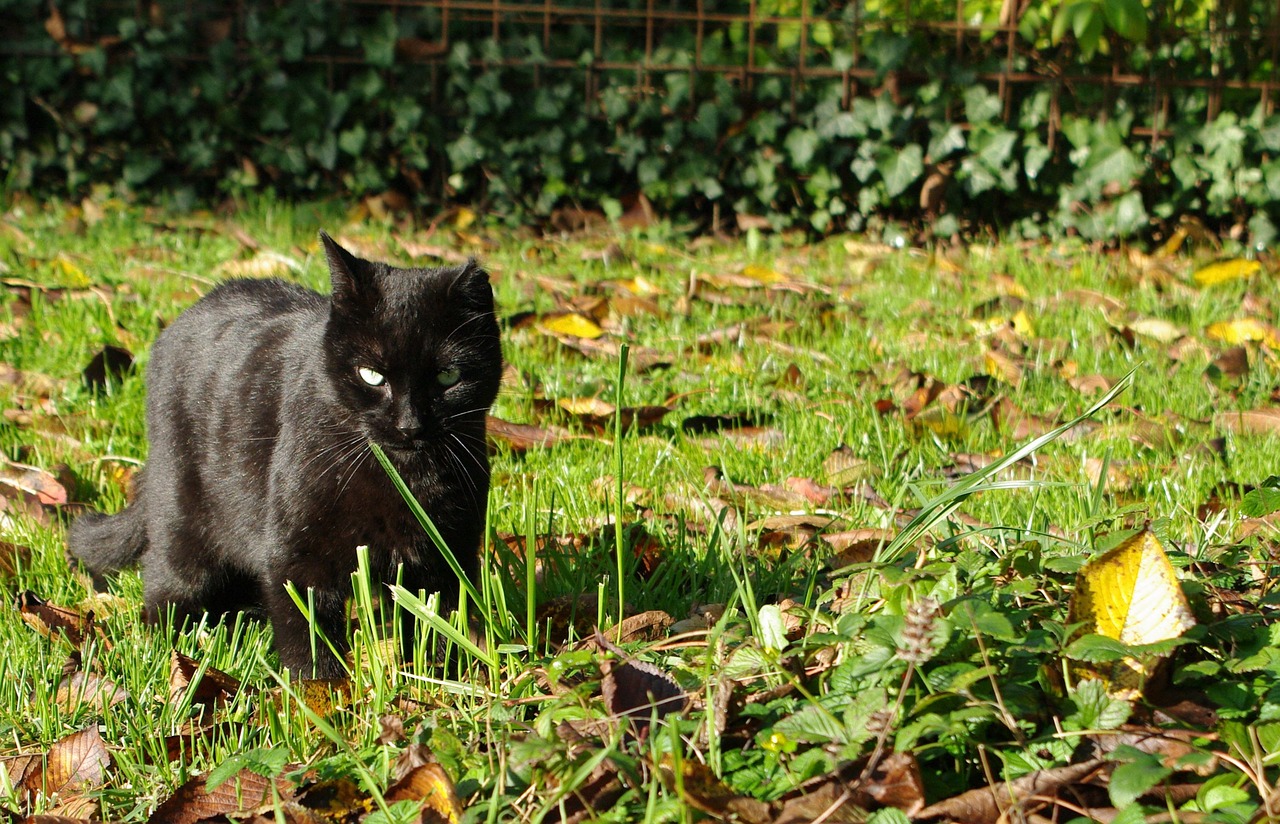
x=312, y=98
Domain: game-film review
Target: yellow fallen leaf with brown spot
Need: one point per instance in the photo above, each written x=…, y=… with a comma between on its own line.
x=1131, y=594
x=570, y=324
x=430, y=786
x=1022, y=324
x=1226, y=270
x=1244, y=330
x=1002, y=367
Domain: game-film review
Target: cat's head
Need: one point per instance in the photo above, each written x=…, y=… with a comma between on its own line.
x=414, y=353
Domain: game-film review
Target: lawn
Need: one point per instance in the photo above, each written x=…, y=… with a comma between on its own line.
x=755, y=553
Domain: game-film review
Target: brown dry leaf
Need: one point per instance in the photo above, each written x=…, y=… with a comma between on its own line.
x=1230, y=367
x=701, y=789
x=239, y=796
x=215, y=687
x=264, y=264
x=13, y=557
x=988, y=804
x=74, y=765
x=430, y=785
x=1002, y=367
x=415, y=249
x=1264, y=421
x=647, y=626
x=843, y=468
x=598, y=415
x=48, y=619
x=635, y=690
x=640, y=359
x=1156, y=329
x=769, y=496
x=1091, y=384
x=81, y=688
x=857, y=546
x=521, y=437
x=181, y=745
x=21, y=479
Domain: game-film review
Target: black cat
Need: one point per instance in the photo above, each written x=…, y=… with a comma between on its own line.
x=262, y=400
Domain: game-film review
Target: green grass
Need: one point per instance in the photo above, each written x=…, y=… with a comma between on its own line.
x=976, y=695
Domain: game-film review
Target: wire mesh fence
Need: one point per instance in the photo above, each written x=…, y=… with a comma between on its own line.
x=1210, y=56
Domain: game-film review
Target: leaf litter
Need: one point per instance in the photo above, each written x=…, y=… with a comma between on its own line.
x=754, y=671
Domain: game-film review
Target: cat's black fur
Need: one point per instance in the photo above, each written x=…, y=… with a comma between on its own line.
x=260, y=472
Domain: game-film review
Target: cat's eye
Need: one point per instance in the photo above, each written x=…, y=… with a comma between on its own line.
x=448, y=377
x=370, y=376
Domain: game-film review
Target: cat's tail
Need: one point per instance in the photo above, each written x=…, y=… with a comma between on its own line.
x=107, y=543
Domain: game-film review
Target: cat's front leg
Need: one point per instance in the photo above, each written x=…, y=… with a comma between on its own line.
x=294, y=632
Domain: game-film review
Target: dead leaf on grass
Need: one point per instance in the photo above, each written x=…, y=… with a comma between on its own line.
x=521, y=437
x=1264, y=421
x=636, y=690
x=239, y=796
x=214, y=687
x=74, y=765
x=429, y=785
x=50, y=620
x=82, y=688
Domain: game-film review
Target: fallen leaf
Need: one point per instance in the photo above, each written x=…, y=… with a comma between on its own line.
x=48, y=619
x=33, y=481
x=1243, y=330
x=1264, y=421
x=1229, y=367
x=429, y=785
x=264, y=264
x=635, y=690
x=570, y=325
x=213, y=688
x=1226, y=270
x=74, y=765
x=1132, y=595
x=88, y=688
x=520, y=437
x=239, y=796
x=987, y=804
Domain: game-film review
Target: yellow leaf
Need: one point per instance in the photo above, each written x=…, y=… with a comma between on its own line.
x=69, y=274
x=570, y=324
x=1226, y=270
x=1161, y=330
x=1243, y=330
x=1022, y=324
x=463, y=218
x=586, y=406
x=763, y=274
x=1002, y=368
x=1131, y=593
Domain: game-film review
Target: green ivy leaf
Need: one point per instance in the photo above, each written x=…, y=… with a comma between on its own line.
x=900, y=167
x=801, y=145
x=1128, y=18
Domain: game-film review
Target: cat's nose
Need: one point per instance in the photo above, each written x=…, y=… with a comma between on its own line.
x=408, y=425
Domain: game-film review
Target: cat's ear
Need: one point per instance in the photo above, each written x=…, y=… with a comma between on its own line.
x=346, y=271
x=471, y=281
